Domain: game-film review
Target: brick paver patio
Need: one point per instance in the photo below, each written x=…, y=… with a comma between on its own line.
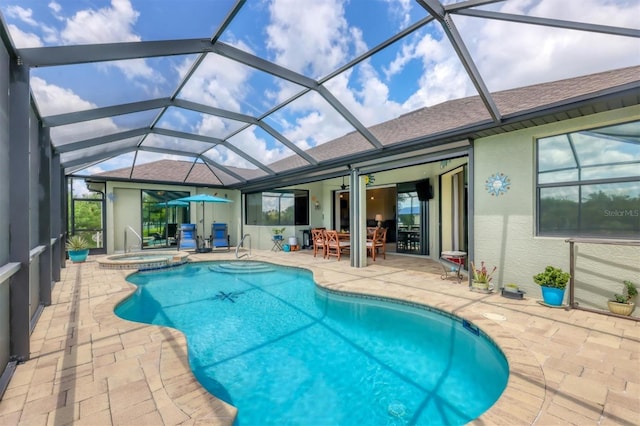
x=89, y=367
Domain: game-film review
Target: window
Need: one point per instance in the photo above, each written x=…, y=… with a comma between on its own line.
x=161, y=217
x=589, y=183
x=86, y=211
x=287, y=207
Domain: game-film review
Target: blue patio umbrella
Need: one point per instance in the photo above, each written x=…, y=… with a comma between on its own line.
x=204, y=198
x=173, y=203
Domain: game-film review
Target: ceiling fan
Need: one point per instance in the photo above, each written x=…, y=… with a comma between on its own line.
x=343, y=186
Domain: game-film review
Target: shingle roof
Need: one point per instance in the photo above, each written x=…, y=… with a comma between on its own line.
x=447, y=118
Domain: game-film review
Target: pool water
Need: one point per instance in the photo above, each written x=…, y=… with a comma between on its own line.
x=283, y=351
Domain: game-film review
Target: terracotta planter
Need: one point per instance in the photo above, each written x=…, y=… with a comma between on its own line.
x=620, y=308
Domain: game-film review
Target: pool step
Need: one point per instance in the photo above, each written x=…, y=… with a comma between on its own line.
x=244, y=267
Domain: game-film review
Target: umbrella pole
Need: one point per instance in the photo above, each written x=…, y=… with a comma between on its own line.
x=203, y=243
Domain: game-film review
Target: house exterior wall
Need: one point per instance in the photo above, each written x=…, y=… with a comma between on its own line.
x=124, y=211
x=432, y=171
x=505, y=233
x=124, y=207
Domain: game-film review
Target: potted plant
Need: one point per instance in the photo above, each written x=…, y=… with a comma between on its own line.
x=621, y=304
x=553, y=282
x=481, y=280
x=277, y=233
x=78, y=248
x=512, y=291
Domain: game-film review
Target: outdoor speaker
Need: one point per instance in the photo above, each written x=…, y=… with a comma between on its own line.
x=423, y=188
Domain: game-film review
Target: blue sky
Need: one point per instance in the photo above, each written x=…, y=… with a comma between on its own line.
x=312, y=38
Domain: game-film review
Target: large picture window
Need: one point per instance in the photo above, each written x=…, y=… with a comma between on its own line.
x=161, y=217
x=589, y=183
x=287, y=207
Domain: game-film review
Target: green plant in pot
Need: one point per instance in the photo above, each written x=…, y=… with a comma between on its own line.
x=511, y=288
x=553, y=282
x=77, y=248
x=512, y=291
x=277, y=233
x=481, y=279
x=621, y=304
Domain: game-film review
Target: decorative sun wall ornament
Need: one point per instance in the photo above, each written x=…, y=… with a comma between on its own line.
x=498, y=184
x=369, y=179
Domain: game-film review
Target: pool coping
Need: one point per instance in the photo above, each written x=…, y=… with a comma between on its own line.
x=155, y=260
x=520, y=403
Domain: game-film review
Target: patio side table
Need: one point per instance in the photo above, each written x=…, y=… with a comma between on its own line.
x=455, y=257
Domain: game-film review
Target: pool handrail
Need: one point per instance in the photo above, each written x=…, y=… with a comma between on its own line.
x=242, y=244
x=126, y=249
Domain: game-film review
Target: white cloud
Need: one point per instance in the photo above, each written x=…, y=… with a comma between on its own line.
x=54, y=100
x=316, y=39
x=110, y=25
x=400, y=10
x=442, y=78
x=218, y=82
x=25, y=15
x=312, y=40
x=256, y=147
x=55, y=7
x=23, y=39
x=371, y=103
x=512, y=55
x=105, y=25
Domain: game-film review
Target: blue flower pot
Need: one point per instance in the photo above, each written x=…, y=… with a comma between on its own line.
x=78, y=255
x=552, y=296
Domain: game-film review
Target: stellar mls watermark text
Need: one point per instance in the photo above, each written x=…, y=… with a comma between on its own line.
x=622, y=213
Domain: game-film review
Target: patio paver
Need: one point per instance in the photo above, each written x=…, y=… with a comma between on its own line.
x=90, y=367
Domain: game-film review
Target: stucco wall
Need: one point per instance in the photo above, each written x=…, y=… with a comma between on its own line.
x=505, y=224
x=124, y=209
x=431, y=171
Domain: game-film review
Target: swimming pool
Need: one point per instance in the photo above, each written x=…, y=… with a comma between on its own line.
x=284, y=351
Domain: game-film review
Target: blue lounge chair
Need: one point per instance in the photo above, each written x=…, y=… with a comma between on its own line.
x=219, y=236
x=187, y=237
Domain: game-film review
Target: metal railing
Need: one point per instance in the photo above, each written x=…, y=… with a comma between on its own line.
x=242, y=245
x=126, y=247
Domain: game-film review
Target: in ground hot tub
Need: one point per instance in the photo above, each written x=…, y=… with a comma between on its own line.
x=143, y=261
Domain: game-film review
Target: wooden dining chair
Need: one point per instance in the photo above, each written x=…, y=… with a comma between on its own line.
x=334, y=245
x=378, y=243
x=370, y=231
x=317, y=235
